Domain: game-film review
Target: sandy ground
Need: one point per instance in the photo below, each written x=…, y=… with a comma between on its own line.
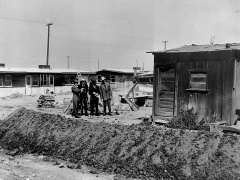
x=28, y=167
x=8, y=105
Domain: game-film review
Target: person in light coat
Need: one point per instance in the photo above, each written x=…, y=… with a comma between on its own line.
x=75, y=99
x=106, y=95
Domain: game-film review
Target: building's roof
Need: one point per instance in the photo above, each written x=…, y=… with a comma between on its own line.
x=37, y=70
x=199, y=48
x=125, y=71
x=63, y=71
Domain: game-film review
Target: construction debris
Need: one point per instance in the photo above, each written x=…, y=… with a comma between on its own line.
x=13, y=96
x=46, y=101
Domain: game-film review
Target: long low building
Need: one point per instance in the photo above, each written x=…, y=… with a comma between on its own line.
x=31, y=81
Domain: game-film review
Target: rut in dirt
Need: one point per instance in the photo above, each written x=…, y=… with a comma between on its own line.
x=136, y=151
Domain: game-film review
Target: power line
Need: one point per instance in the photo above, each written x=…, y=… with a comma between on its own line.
x=103, y=33
x=73, y=27
x=22, y=20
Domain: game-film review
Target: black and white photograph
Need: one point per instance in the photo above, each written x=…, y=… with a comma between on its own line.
x=119, y=90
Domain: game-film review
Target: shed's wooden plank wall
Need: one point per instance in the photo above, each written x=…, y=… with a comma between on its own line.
x=236, y=95
x=218, y=101
x=220, y=81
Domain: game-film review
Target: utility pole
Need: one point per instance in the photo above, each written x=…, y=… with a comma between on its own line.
x=143, y=67
x=68, y=61
x=165, y=45
x=48, y=24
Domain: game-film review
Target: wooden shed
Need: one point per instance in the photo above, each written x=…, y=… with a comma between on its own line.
x=205, y=77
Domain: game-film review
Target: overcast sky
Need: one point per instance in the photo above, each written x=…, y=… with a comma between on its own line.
x=115, y=32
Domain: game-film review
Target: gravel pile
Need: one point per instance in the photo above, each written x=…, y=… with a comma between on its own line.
x=136, y=151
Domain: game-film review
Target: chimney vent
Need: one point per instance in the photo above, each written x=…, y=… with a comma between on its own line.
x=44, y=66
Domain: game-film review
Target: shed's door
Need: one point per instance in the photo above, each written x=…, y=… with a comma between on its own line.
x=166, y=94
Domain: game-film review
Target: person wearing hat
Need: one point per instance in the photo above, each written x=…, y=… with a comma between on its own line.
x=83, y=96
x=94, y=97
x=106, y=95
x=75, y=99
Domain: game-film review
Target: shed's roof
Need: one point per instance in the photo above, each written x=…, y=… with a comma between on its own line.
x=199, y=48
x=37, y=70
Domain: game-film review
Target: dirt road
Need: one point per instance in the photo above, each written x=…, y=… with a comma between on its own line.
x=35, y=167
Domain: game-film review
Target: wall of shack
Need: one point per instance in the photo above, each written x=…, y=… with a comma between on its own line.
x=219, y=101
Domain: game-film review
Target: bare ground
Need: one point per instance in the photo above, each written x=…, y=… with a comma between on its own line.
x=109, y=144
x=33, y=166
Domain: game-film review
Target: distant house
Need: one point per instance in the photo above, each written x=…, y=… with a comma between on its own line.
x=120, y=79
x=205, y=77
x=30, y=81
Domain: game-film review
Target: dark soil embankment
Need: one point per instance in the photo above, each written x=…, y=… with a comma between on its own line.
x=135, y=151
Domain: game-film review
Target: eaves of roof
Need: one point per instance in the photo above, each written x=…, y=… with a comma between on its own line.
x=201, y=48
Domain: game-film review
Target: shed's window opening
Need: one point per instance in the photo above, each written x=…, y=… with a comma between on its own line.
x=198, y=81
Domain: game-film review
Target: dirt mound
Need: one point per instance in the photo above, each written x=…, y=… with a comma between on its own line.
x=14, y=96
x=137, y=151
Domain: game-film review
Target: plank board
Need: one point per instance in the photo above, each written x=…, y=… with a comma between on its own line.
x=166, y=95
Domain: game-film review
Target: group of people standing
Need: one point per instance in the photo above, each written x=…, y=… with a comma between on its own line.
x=80, y=97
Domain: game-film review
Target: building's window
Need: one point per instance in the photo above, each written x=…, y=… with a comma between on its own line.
x=44, y=79
x=99, y=78
x=51, y=80
x=8, y=81
x=198, y=81
x=47, y=80
x=35, y=80
x=1, y=80
x=72, y=78
x=113, y=80
x=108, y=79
x=67, y=79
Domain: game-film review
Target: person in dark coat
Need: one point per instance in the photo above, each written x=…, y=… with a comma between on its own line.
x=75, y=99
x=94, y=97
x=106, y=95
x=83, y=96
